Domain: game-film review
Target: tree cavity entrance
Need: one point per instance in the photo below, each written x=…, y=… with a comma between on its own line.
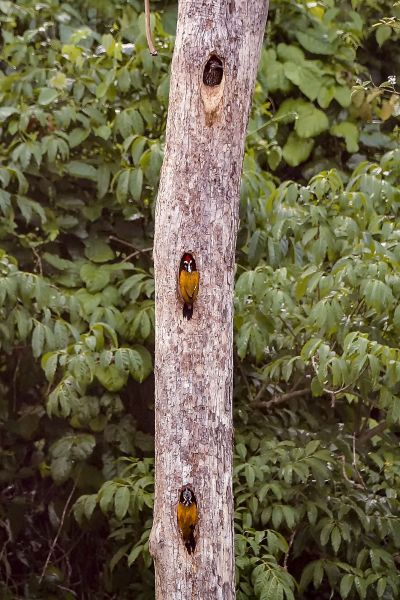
x=213, y=71
x=187, y=517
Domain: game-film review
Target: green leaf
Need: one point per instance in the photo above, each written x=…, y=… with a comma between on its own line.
x=77, y=136
x=336, y=539
x=103, y=180
x=47, y=96
x=241, y=450
x=297, y=150
x=342, y=95
x=7, y=111
x=49, y=364
x=136, y=183
x=134, y=554
x=123, y=185
x=289, y=110
x=311, y=123
x=5, y=202
x=140, y=363
x=349, y=132
x=257, y=246
x=326, y=532
x=318, y=574
x=326, y=95
x=58, y=81
x=96, y=278
x=103, y=131
x=121, y=501
x=306, y=75
x=315, y=41
x=361, y=587
x=382, y=34
x=121, y=552
x=124, y=80
x=98, y=251
x=310, y=348
x=137, y=148
x=38, y=339
x=346, y=584
x=81, y=170
x=89, y=505
x=274, y=157
x=312, y=513
x=61, y=469
x=396, y=317
x=381, y=587
x=83, y=446
x=250, y=475
x=106, y=495
x=111, y=378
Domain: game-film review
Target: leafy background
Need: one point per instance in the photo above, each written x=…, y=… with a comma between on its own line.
x=317, y=320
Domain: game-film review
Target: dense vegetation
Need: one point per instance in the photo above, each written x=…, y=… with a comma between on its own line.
x=317, y=320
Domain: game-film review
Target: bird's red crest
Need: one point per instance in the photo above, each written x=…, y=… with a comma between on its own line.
x=186, y=260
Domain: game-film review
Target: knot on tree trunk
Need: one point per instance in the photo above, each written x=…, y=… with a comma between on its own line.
x=156, y=541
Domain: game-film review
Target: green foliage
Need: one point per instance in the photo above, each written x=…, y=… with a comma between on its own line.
x=317, y=321
x=310, y=96
x=317, y=326
x=80, y=153
x=125, y=501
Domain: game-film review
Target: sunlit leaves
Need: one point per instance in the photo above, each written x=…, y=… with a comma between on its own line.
x=318, y=61
x=297, y=150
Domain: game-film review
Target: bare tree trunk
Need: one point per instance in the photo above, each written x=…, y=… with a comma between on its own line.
x=197, y=212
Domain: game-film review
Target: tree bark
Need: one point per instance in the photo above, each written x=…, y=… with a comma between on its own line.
x=197, y=212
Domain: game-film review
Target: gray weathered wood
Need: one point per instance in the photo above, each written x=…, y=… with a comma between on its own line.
x=197, y=211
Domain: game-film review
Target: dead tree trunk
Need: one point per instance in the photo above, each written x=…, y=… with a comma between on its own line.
x=213, y=71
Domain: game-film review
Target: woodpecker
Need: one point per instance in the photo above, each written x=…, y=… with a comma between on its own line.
x=187, y=518
x=188, y=284
x=213, y=72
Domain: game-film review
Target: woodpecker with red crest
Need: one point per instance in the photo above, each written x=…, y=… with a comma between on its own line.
x=187, y=518
x=189, y=279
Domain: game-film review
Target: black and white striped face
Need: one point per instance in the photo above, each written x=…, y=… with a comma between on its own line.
x=186, y=497
x=187, y=265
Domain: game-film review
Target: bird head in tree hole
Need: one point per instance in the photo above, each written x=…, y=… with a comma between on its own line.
x=187, y=517
x=213, y=71
x=189, y=279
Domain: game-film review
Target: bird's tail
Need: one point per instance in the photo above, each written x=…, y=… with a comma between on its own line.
x=187, y=311
x=190, y=544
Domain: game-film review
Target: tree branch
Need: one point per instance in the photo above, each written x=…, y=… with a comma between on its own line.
x=280, y=398
x=53, y=545
x=285, y=561
x=367, y=435
x=150, y=43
